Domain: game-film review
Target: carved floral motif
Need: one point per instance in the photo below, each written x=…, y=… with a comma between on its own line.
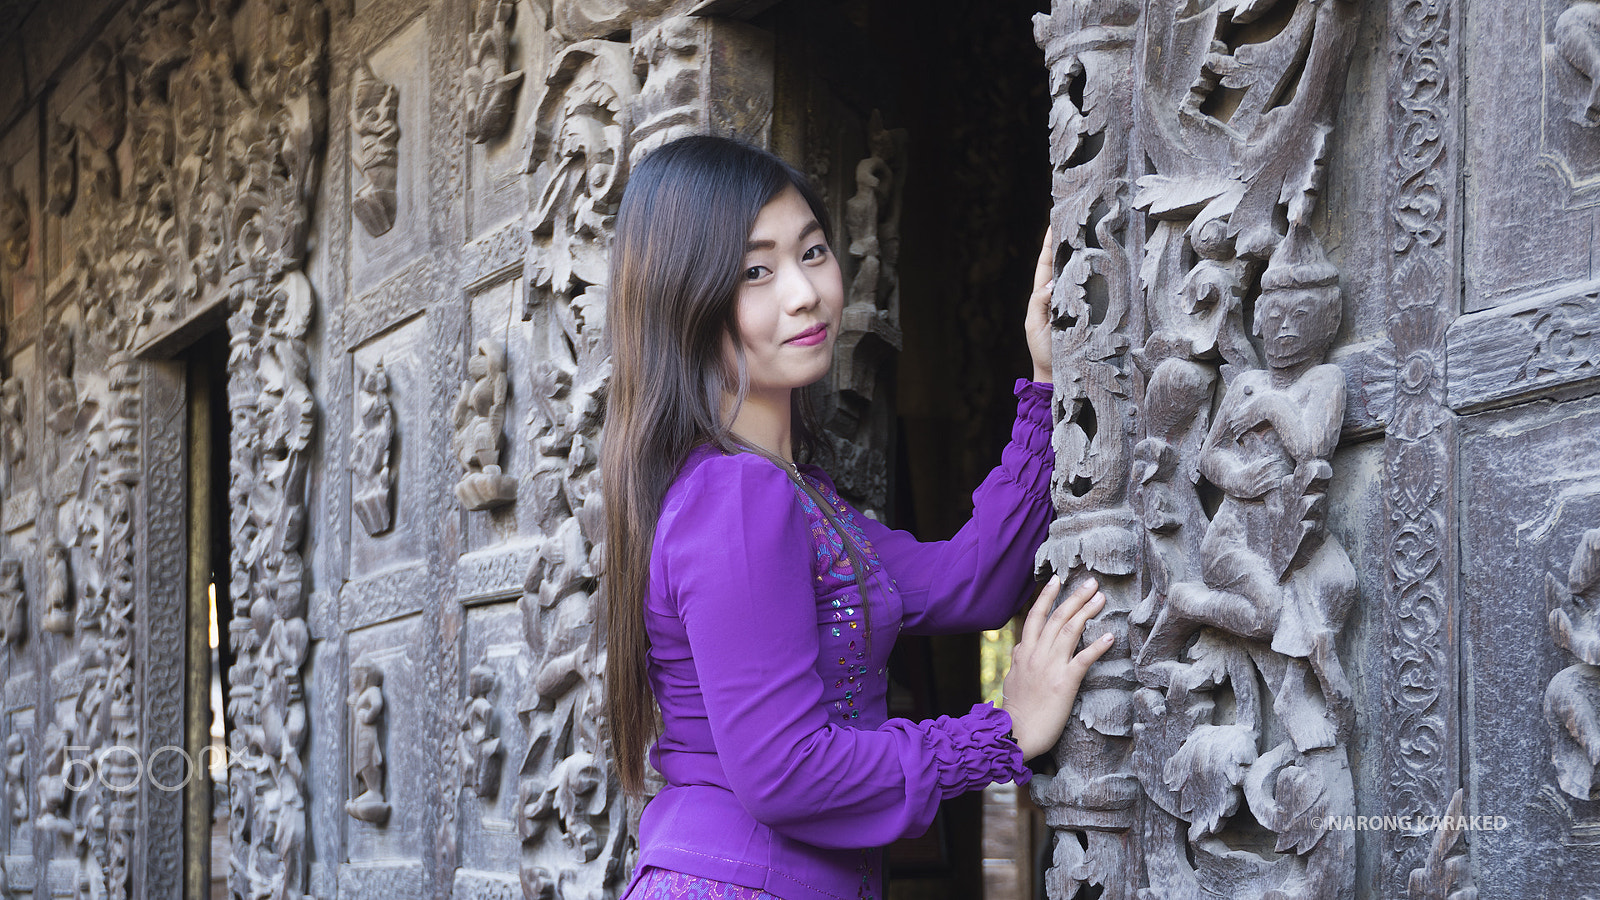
x=1247, y=591
x=1421, y=769
x=571, y=817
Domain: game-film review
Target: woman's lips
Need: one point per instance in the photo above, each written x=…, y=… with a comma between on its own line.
x=810, y=337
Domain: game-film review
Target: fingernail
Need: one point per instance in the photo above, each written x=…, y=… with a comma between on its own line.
x=1091, y=583
x=1107, y=638
x=1050, y=285
x=1098, y=598
x=1055, y=580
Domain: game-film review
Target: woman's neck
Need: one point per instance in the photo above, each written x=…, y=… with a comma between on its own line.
x=764, y=421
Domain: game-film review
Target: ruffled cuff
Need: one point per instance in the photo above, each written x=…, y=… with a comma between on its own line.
x=973, y=751
x=1028, y=457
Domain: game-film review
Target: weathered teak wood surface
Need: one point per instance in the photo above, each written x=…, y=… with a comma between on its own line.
x=1327, y=357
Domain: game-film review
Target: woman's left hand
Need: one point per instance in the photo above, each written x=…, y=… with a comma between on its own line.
x=1038, y=322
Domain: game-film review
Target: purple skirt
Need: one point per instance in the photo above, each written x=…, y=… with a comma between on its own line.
x=664, y=884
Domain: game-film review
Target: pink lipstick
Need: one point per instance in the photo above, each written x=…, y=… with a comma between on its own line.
x=810, y=337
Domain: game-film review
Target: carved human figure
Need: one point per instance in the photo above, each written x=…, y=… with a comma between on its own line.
x=1572, y=700
x=375, y=150
x=14, y=228
x=16, y=779
x=490, y=89
x=13, y=429
x=370, y=447
x=1268, y=571
x=60, y=393
x=366, y=743
x=478, y=747
x=480, y=415
x=52, y=786
x=1578, y=42
x=13, y=603
x=58, y=590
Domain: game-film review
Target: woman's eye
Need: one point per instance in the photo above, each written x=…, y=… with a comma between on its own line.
x=817, y=252
x=755, y=273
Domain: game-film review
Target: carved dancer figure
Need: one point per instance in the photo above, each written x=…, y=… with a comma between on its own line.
x=16, y=780
x=58, y=590
x=13, y=603
x=375, y=150
x=366, y=744
x=1572, y=701
x=477, y=746
x=14, y=228
x=480, y=415
x=1268, y=571
x=370, y=450
x=13, y=429
x=490, y=89
x=1578, y=42
x=52, y=786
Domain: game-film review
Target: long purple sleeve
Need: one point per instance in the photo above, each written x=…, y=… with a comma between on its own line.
x=736, y=552
x=779, y=760
x=978, y=579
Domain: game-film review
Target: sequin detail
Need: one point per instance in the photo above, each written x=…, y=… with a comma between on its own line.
x=832, y=559
x=664, y=884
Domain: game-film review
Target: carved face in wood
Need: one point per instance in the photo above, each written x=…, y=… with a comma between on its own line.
x=1297, y=324
x=791, y=297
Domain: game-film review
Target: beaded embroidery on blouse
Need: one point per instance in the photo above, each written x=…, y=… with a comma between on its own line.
x=832, y=560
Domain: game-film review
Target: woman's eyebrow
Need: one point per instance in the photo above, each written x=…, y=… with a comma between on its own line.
x=752, y=246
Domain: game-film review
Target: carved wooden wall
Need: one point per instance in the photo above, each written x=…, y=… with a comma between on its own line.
x=1326, y=356
x=1324, y=429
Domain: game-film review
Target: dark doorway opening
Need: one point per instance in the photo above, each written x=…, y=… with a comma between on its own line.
x=210, y=609
x=966, y=84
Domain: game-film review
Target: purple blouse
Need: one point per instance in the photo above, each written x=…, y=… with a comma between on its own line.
x=779, y=758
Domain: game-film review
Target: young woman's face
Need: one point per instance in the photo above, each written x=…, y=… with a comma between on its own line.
x=791, y=297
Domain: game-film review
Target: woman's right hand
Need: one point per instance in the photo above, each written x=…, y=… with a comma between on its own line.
x=1047, y=667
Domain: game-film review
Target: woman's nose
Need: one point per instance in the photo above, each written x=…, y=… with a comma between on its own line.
x=799, y=292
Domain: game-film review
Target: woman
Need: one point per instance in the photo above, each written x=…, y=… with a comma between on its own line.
x=749, y=601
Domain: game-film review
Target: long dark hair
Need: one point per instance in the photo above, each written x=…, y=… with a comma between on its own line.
x=676, y=258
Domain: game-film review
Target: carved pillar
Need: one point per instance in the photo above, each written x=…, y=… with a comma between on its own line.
x=573, y=820
x=1092, y=801
x=1220, y=725
x=1420, y=719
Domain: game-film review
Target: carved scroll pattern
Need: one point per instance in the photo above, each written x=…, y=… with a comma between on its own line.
x=1421, y=765
x=1232, y=717
x=572, y=818
x=1091, y=802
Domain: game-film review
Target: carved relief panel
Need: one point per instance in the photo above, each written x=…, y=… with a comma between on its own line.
x=1196, y=421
